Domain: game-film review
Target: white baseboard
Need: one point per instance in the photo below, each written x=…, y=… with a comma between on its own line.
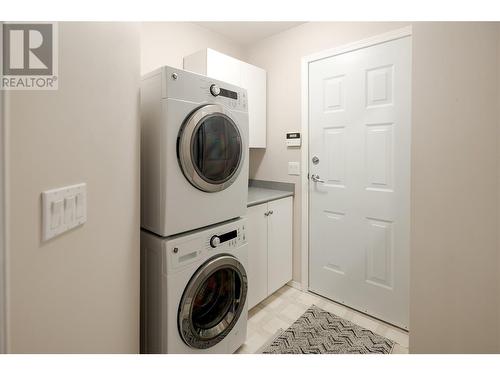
x=294, y=284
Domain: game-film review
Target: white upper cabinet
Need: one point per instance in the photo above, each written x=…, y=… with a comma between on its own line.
x=252, y=78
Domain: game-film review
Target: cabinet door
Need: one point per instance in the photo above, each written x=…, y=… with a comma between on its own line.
x=257, y=254
x=279, y=243
x=196, y=62
x=223, y=67
x=253, y=79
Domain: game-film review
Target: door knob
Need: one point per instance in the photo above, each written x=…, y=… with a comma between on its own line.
x=316, y=178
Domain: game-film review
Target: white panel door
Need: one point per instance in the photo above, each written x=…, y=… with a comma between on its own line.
x=257, y=254
x=279, y=243
x=359, y=108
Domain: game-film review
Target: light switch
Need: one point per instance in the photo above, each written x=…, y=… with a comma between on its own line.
x=56, y=213
x=63, y=209
x=80, y=205
x=69, y=210
x=294, y=168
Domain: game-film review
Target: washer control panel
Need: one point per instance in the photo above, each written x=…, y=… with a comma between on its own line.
x=228, y=238
x=215, y=241
x=187, y=248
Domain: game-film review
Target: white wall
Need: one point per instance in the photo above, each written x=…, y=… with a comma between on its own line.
x=78, y=292
x=166, y=43
x=454, y=255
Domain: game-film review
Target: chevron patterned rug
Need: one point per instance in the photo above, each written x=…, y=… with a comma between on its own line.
x=320, y=332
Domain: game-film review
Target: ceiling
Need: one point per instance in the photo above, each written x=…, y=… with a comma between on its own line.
x=248, y=32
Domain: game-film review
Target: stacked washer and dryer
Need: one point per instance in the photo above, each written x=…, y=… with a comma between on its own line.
x=194, y=186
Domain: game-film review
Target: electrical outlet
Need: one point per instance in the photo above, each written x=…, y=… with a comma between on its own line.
x=294, y=168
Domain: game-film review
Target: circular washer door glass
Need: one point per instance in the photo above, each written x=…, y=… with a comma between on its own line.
x=216, y=148
x=212, y=302
x=214, y=299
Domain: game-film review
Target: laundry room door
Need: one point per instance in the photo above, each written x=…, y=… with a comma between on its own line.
x=359, y=187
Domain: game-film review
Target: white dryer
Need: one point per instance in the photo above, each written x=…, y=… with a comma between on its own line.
x=194, y=151
x=194, y=290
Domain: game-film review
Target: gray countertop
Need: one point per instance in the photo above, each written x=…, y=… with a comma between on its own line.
x=259, y=193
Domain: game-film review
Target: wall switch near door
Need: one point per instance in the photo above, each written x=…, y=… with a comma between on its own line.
x=294, y=168
x=63, y=209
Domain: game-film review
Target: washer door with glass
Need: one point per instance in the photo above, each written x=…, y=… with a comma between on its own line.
x=210, y=148
x=212, y=302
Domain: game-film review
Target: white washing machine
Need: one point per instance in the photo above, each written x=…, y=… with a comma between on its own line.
x=194, y=151
x=194, y=290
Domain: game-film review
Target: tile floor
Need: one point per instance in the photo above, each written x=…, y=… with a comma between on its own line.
x=285, y=306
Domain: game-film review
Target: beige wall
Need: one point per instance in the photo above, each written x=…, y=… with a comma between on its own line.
x=78, y=292
x=454, y=255
x=166, y=43
x=454, y=261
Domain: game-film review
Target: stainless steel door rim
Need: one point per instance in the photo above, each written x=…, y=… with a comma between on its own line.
x=203, y=338
x=185, y=152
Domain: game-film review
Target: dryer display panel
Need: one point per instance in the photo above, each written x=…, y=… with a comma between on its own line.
x=228, y=94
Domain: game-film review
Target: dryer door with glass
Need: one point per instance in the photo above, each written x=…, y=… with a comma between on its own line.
x=212, y=302
x=210, y=148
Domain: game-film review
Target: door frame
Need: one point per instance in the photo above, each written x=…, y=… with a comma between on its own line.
x=3, y=223
x=305, y=61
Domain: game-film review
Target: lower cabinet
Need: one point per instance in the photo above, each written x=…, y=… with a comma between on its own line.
x=269, y=231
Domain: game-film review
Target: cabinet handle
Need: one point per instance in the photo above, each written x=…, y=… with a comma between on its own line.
x=271, y=212
x=266, y=213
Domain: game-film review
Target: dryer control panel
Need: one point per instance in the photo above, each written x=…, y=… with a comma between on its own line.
x=183, y=85
x=226, y=94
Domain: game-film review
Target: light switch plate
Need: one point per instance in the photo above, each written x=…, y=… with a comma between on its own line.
x=294, y=168
x=63, y=209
